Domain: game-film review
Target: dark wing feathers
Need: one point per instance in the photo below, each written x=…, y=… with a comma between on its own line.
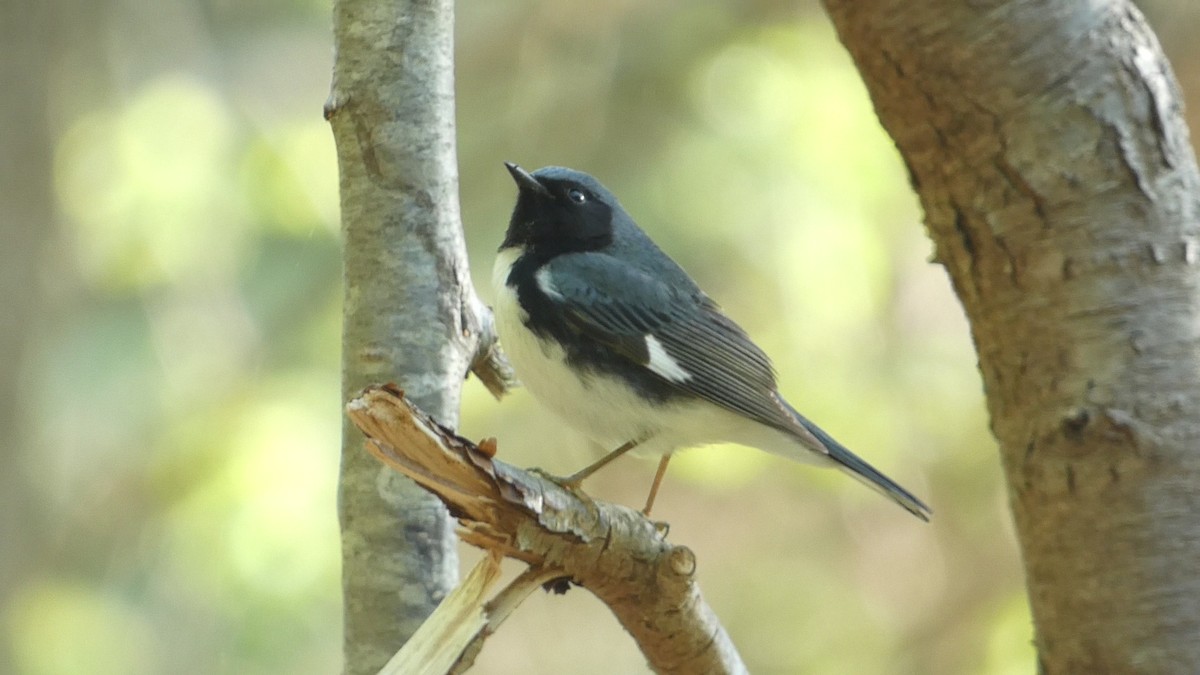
x=618, y=305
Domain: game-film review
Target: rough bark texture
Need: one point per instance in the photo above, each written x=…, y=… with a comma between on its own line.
x=1046, y=142
x=612, y=551
x=411, y=314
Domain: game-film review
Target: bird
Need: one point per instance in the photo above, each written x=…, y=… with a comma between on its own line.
x=613, y=337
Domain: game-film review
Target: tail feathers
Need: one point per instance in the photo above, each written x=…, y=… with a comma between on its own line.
x=865, y=473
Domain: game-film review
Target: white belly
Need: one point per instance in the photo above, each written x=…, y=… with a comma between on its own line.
x=596, y=407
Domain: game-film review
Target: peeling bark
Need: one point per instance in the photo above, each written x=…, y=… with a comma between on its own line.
x=1046, y=143
x=612, y=551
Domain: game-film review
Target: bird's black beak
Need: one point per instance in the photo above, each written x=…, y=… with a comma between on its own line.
x=525, y=180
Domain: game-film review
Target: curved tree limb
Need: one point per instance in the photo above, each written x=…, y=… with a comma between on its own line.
x=611, y=550
x=1046, y=142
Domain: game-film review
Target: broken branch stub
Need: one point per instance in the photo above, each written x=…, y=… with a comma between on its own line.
x=612, y=550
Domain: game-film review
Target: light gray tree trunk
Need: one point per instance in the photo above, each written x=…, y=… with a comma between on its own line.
x=410, y=313
x=1047, y=145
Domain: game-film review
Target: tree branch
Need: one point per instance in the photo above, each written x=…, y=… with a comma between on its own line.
x=613, y=551
x=489, y=363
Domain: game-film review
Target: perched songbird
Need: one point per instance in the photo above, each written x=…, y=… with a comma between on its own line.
x=615, y=338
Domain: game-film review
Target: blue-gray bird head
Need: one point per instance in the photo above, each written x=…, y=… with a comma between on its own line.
x=562, y=210
x=559, y=211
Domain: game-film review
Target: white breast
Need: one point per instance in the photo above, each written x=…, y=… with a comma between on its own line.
x=597, y=408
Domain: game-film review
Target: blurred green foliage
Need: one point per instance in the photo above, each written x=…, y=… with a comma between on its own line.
x=180, y=391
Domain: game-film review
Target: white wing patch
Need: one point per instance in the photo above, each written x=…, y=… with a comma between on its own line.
x=662, y=363
x=546, y=284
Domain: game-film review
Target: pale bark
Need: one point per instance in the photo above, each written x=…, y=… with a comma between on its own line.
x=1046, y=143
x=612, y=551
x=410, y=312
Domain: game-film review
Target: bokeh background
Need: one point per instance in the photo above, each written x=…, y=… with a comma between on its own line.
x=169, y=413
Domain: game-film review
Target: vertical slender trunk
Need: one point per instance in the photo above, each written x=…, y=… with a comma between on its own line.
x=408, y=303
x=1048, y=148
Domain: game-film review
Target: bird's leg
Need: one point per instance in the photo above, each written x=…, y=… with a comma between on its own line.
x=578, y=477
x=658, y=478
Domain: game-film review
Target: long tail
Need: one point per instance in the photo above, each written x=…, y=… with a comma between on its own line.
x=865, y=473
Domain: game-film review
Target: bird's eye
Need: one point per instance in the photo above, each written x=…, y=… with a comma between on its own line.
x=577, y=196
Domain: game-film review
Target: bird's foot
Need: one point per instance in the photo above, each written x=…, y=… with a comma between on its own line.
x=569, y=483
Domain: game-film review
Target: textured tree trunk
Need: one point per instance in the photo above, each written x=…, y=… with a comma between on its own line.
x=1046, y=142
x=410, y=314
